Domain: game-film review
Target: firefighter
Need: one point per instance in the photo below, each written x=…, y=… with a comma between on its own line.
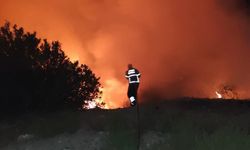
x=133, y=76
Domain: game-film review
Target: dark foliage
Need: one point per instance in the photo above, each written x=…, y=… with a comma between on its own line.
x=37, y=75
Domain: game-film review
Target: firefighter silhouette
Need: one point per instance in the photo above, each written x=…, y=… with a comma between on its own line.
x=133, y=76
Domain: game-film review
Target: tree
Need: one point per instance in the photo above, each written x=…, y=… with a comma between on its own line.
x=36, y=74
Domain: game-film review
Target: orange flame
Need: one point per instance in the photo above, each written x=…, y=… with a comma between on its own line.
x=218, y=94
x=111, y=96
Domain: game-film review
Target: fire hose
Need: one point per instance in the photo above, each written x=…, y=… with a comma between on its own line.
x=138, y=126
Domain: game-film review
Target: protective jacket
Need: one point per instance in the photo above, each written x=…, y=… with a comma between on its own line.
x=133, y=75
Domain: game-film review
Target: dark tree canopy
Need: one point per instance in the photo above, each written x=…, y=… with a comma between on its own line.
x=37, y=75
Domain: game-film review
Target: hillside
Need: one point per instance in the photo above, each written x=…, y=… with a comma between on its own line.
x=190, y=124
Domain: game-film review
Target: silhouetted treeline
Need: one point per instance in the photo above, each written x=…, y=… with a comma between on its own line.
x=37, y=75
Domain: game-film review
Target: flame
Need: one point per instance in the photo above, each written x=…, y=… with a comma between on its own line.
x=110, y=97
x=89, y=105
x=114, y=93
x=227, y=91
x=218, y=94
x=98, y=102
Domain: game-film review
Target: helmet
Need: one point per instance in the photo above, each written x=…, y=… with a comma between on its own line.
x=130, y=66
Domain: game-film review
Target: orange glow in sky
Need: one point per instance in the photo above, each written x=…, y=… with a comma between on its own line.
x=182, y=48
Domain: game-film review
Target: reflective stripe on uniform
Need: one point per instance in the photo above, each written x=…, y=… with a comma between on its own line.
x=137, y=79
x=134, y=81
x=131, y=71
x=132, y=75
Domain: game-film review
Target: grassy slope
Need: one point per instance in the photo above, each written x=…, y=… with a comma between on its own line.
x=174, y=125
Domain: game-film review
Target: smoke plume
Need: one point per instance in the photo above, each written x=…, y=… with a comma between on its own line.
x=182, y=48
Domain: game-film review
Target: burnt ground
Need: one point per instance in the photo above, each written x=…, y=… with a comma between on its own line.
x=190, y=124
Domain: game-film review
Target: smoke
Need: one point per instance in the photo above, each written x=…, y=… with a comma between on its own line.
x=182, y=48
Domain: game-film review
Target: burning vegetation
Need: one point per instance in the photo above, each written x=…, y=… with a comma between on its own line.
x=96, y=103
x=227, y=92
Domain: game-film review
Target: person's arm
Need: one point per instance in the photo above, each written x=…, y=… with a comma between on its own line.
x=138, y=73
x=126, y=75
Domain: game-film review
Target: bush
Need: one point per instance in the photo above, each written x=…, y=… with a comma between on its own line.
x=37, y=75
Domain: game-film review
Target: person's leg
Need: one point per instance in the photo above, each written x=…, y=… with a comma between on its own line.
x=131, y=94
x=136, y=86
x=130, y=91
